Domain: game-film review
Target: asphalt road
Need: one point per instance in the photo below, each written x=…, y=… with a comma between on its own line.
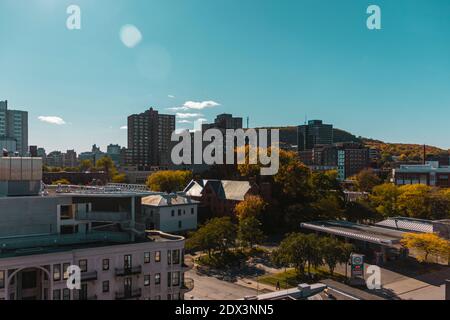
x=210, y=288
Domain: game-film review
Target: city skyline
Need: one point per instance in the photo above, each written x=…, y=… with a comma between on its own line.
x=315, y=60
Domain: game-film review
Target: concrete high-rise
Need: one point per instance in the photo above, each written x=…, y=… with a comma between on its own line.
x=14, y=126
x=149, y=139
x=314, y=133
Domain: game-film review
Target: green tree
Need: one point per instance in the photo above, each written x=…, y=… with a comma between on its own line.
x=335, y=252
x=366, y=180
x=384, y=199
x=252, y=206
x=249, y=231
x=169, y=181
x=292, y=252
x=106, y=165
x=218, y=234
x=85, y=165
x=425, y=244
x=120, y=178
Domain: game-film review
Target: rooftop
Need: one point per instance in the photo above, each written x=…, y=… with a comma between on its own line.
x=110, y=190
x=225, y=189
x=43, y=244
x=368, y=233
x=163, y=200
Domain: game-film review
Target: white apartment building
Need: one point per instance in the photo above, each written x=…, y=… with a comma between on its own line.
x=175, y=213
x=95, y=228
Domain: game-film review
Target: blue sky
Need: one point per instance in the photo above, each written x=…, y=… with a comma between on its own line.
x=275, y=61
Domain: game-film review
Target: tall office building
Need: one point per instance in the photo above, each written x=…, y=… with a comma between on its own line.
x=149, y=138
x=14, y=126
x=314, y=133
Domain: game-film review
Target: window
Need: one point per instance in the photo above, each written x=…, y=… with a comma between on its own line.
x=105, y=264
x=169, y=279
x=146, y=280
x=105, y=286
x=180, y=224
x=66, y=273
x=56, y=272
x=176, y=279
x=176, y=256
x=173, y=213
x=127, y=262
x=66, y=294
x=146, y=257
x=158, y=278
x=2, y=279
x=158, y=256
x=192, y=210
x=169, y=297
x=179, y=212
x=83, y=264
x=57, y=294
x=169, y=257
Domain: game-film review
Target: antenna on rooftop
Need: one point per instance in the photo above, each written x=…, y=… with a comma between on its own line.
x=248, y=122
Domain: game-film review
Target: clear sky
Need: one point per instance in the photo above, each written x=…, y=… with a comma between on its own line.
x=275, y=61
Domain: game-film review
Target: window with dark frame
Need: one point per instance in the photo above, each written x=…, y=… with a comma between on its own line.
x=146, y=257
x=57, y=272
x=66, y=294
x=157, y=256
x=105, y=264
x=158, y=278
x=65, y=271
x=57, y=294
x=2, y=279
x=105, y=286
x=83, y=264
x=146, y=280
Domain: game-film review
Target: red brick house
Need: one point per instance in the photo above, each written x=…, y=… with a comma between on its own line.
x=219, y=198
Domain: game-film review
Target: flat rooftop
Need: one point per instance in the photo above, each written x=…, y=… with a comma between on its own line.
x=45, y=244
x=368, y=233
x=111, y=190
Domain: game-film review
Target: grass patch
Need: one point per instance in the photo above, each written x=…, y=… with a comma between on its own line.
x=290, y=278
x=228, y=259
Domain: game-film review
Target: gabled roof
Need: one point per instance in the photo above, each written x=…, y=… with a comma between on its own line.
x=164, y=200
x=224, y=189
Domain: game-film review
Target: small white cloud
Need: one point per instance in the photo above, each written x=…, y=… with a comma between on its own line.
x=200, y=105
x=52, y=120
x=188, y=115
x=184, y=121
x=192, y=105
x=171, y=96
x=174, y=109
x=123, y=127
x=130, y=36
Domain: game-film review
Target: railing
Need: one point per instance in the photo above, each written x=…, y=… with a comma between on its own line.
x=88, y=276
x=187, y=285
x=137, y=293
x=120, y=272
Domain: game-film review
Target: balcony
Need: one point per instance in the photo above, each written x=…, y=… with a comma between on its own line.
x=88, y=276
x=129, y=294
x=121, y=272
x=187, y=285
